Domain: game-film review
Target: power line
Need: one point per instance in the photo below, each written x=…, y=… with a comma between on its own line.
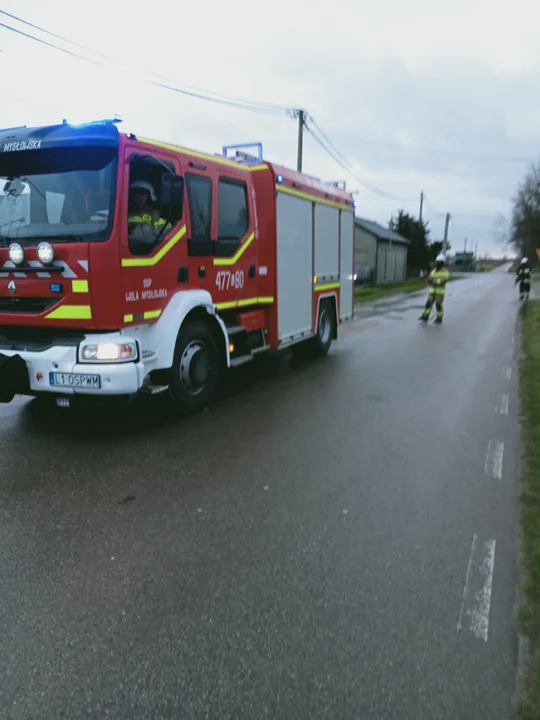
x=162, y=81
x=48, y=44
x=338, y=158
x=328, y=142
x=254, y=106
x=168, y=84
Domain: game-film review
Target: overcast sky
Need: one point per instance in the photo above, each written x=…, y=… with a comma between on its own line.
x=417, y=95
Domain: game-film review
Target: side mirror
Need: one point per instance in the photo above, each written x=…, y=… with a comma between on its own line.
x=14, y=187
x=171, y=204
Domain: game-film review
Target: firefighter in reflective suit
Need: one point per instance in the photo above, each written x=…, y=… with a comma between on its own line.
x=145, y=226
x=437, y=279
x=523, y=277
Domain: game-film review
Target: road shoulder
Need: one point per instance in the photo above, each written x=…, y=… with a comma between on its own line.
x=528, y=594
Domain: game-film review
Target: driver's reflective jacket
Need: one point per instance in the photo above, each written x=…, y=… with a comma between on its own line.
x=147, y=219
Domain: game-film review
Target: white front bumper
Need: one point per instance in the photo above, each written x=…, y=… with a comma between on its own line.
x=115, y=378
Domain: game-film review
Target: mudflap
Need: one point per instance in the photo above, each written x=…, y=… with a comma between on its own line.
x=13, y=377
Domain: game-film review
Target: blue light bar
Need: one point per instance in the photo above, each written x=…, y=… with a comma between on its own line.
x=105, y=121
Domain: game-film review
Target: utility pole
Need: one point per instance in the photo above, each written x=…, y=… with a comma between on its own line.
x=465, y=248
x=421, y=204
x=301, y=122
x=445, y=241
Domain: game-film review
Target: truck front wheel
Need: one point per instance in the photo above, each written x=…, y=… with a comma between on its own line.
x=195, y=368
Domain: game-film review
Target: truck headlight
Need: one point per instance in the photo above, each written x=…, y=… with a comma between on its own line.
x=16, y=254
x=110, y=352
x=45, y=253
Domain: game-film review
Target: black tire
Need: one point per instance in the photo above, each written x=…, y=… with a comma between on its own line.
x=195, y=369
x=320, y=344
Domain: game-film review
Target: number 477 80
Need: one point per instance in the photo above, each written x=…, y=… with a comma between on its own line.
x=226, y=279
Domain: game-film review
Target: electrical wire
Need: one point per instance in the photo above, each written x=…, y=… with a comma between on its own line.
x=241, y=103
x=338, y=158
x=168, y=84
x=48, y=44
x=161, y=80
x=171, y=85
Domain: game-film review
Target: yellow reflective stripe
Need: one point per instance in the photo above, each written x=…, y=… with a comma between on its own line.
x=313, y=198
x=226, y=305
x=79, y=286
x=328, y=286
x=204, y=156
x=148, y=315
x=71, y=312
x=244, y=302
x=238, y=254
x=150, y=261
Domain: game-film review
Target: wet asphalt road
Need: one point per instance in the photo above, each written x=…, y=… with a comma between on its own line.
x=328, y=541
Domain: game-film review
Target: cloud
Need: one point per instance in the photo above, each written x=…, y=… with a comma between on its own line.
x=413, y=94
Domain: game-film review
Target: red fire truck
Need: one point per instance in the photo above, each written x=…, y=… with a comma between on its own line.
x=131, y=265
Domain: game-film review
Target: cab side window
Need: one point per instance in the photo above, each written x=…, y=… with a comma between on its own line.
x=233, y=215
x=199, y=192
x=146, y=228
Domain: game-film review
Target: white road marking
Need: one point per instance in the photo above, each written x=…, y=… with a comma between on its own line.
x=476, y=600
x=467, y=582
x=507, y=373
x=494, y=459
x=503, y=403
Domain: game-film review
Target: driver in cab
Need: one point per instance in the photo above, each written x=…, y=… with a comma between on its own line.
x=145, y=226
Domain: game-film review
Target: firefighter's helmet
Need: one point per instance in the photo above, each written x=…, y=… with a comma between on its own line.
x=145, y=185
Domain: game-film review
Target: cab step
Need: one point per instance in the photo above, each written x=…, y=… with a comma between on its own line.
x=153, y=388
x=241, y=360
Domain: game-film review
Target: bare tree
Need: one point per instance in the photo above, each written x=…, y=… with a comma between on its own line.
x=525, y=227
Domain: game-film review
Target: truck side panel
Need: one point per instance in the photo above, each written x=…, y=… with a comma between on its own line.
x=294, y=267
x=326, y=243
x=346, y=306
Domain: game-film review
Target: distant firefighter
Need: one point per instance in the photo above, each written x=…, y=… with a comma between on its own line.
x=437, y=279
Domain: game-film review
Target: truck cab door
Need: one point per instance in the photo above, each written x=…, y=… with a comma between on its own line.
x=151, y=248
x=221, y=236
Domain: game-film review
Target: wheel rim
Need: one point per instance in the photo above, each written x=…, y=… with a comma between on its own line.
x=325, y=326
x=194, y=367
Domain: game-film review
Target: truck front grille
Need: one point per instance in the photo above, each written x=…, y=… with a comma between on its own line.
x=37, y=339
x=29, y=305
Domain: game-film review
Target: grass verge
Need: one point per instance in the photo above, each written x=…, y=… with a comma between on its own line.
x=368, y=293
x=530, y=401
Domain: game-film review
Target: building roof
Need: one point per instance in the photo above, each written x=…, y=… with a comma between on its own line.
x=380, y=232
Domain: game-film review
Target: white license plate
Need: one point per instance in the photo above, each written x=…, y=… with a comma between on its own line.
x=75, y=380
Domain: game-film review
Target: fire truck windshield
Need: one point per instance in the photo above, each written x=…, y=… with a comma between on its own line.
x=59, y=194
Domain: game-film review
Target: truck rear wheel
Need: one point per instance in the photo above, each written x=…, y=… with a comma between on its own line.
x=195, y=368
x=320, y=344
